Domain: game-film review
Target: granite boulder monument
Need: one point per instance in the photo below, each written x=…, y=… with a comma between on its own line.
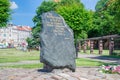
x=57, y=43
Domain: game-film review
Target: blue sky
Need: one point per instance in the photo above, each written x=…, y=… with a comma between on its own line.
x=24, y=10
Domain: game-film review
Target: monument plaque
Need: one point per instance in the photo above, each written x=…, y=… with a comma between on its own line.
x=56, y=42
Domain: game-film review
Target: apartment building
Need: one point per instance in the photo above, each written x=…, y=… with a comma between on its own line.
x=14, y=35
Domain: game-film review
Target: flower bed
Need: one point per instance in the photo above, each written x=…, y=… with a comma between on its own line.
x=111, y=69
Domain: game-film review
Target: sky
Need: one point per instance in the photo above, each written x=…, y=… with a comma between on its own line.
x=25, y=10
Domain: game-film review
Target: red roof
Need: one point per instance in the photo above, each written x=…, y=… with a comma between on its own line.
x=24, y=28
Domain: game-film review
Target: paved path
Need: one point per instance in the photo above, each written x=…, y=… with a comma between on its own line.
x=100, y=58
x=82, y=73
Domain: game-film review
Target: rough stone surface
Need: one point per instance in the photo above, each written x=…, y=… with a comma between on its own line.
x=82, y=73
x=57, y=42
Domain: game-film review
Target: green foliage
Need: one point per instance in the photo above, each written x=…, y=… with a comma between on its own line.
x=36, y=36
x=103, y=20
x=77, y=18
x=33, y=42
x=73, y=12
x=101, y=5
x=103, y=25
x=115, y=9
x=30, y=42
x=4, y=12
x=68, y=2
x=44, y=7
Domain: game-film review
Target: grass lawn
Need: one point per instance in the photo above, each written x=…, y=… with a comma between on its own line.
x=79, y=62
x=13, y=55
x=105, y=53
x=28, y=66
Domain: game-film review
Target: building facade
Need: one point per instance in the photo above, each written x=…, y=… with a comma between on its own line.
x=14, y=35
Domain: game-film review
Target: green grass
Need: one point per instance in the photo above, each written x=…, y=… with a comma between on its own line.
x=13, y=55
x=105, y=53
x=28, y=66
x=89, y=62
x=79, y=62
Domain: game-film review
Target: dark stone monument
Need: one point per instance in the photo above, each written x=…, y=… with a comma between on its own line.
x=57, y=43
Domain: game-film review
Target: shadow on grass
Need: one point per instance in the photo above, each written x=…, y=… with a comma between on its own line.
x=107, y=59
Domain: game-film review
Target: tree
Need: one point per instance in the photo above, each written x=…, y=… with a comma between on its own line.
x=4, y=12
x=101, y=5
x=68, y=2
x=74, y=13
x=115, y=10
x=32, y=44
x=44, y=7
x=79, y=19
x=103, y=20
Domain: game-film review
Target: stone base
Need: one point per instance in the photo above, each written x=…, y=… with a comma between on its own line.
x=61, y=70
x=48, y=68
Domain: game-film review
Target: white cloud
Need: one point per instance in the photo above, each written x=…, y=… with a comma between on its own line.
x=13, y=5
